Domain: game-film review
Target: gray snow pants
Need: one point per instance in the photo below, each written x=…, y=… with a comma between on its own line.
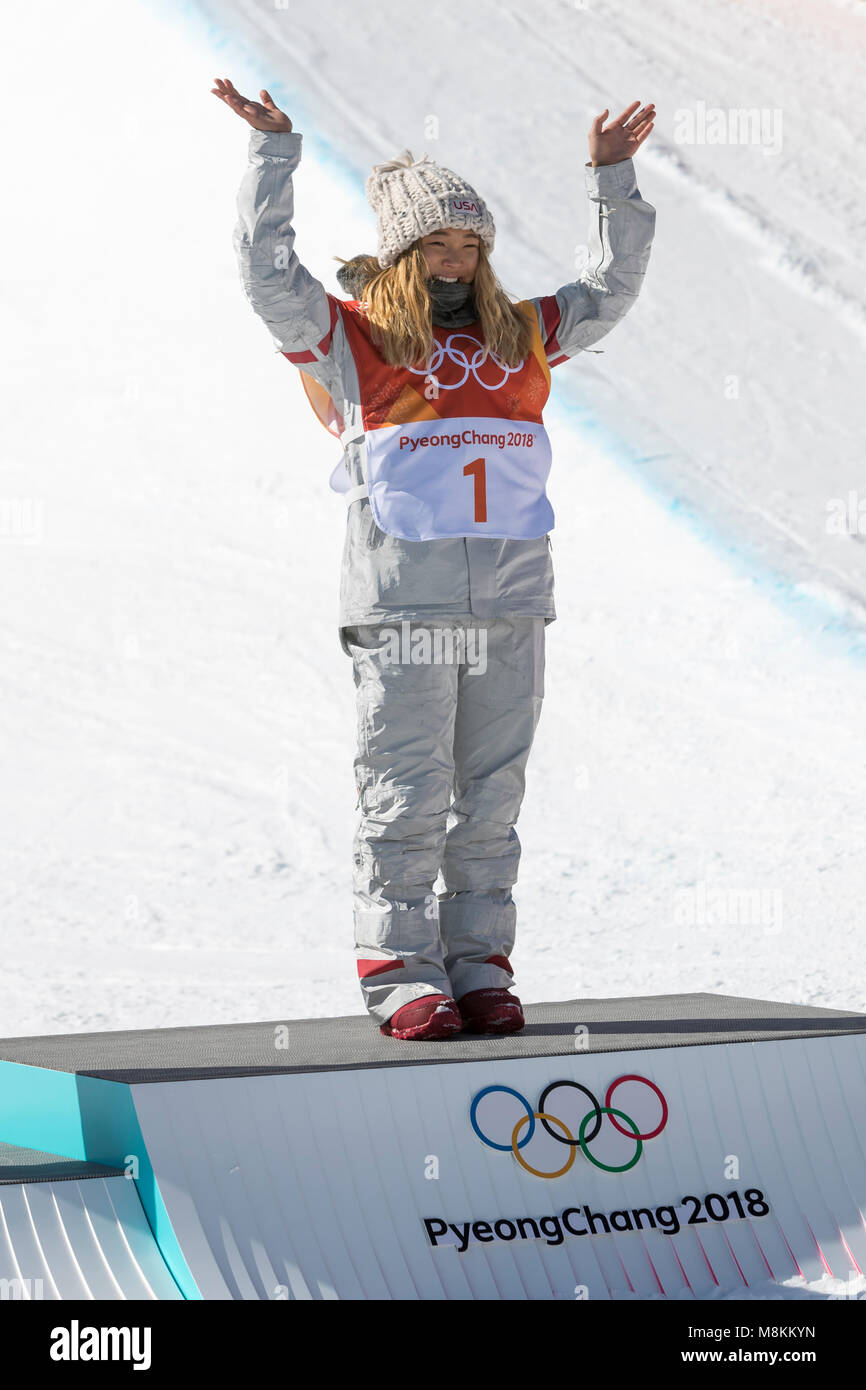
x=442, y=752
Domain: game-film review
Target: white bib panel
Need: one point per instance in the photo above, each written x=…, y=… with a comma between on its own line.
x=434, y=479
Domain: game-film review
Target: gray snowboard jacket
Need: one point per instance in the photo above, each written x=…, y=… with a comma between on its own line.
x=386, y=579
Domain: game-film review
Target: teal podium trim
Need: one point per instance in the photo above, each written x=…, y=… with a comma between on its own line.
x=85, y=1117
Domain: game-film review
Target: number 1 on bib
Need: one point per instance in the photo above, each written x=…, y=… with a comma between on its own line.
x=479, y=472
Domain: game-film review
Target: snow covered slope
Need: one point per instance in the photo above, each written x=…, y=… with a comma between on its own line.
x=737, y=384
x=177, y=726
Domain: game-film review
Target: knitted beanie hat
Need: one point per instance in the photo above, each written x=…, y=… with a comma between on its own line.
x=412, y=198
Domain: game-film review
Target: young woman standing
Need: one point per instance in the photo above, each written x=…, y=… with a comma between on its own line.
x=435, y=382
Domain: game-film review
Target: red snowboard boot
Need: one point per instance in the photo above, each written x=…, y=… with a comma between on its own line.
x=428, y=1019
x=491, y=1011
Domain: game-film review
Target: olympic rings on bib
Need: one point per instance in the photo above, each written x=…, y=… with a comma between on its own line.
x=469, y=365
x=588, y=1129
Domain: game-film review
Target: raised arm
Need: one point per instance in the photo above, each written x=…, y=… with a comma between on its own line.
x=621, y=227
x=292, y=302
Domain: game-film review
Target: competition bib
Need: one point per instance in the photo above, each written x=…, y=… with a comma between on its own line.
x=459, y=477
x=456, y=448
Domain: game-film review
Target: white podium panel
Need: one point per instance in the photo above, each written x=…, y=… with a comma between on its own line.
x=659, y=1148
x=706, y=1168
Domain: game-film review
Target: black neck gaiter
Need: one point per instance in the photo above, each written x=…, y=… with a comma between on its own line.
x=453, y=305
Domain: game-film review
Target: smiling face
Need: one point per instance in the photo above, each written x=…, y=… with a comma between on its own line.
x=451, y=254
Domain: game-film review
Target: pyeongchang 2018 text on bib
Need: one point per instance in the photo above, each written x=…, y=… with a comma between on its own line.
x=433, y=479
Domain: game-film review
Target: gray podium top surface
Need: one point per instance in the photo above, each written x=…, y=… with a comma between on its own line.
x=339, y=1044
x=31, y=1165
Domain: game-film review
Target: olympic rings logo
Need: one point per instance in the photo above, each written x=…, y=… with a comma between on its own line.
x=592, y=1121
x=479, y=357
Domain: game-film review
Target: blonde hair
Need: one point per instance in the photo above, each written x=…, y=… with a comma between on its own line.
x=398, y=306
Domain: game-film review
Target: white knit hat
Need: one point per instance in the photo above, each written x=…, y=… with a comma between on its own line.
x=412, y=198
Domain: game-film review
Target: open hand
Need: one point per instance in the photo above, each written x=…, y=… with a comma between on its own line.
x=263, y=115
x=622, y=137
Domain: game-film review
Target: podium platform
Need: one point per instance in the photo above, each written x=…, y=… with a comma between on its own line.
x=662, y=1147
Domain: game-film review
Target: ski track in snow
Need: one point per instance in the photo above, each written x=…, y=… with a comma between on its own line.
x=178, y=725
